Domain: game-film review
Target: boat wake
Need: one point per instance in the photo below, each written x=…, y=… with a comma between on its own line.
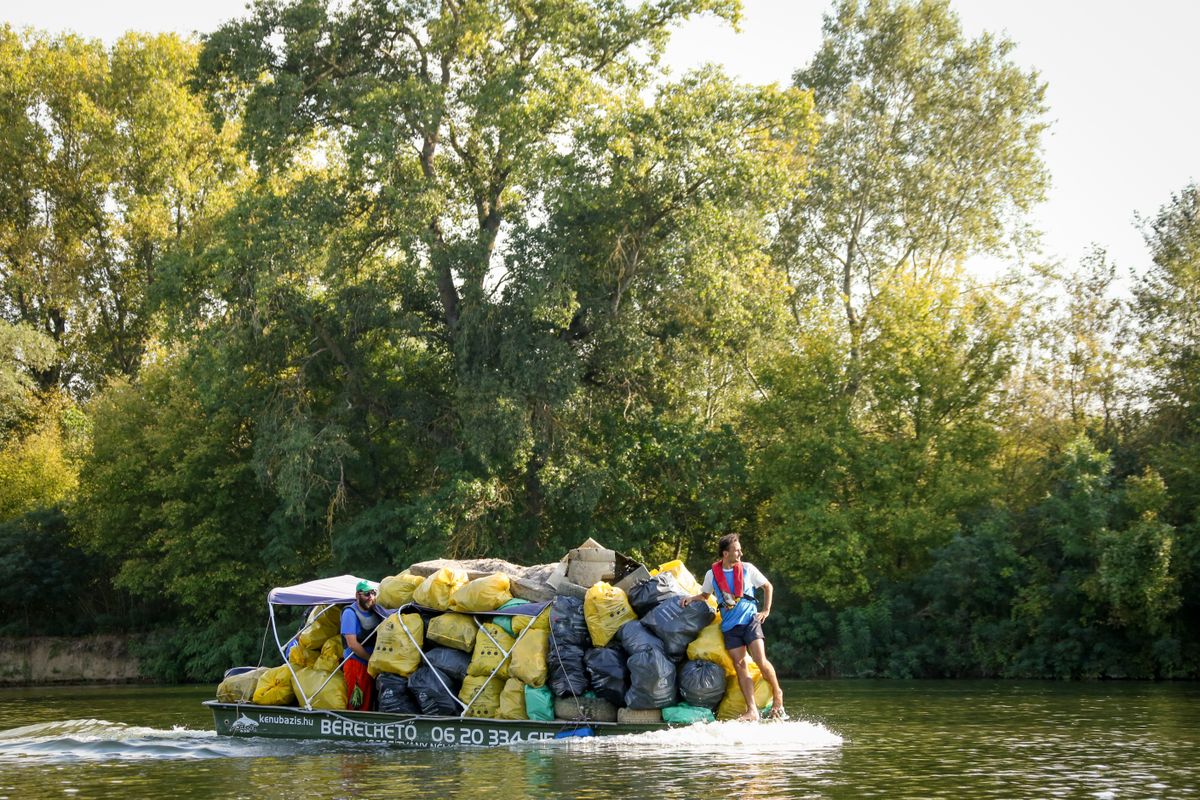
x=765, y=740
x=99, y=740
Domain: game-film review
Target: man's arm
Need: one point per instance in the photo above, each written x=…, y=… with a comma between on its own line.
x=355, y=647
x=687, y=601
x=768, y=593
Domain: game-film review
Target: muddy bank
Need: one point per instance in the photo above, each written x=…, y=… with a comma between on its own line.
x=54, y=659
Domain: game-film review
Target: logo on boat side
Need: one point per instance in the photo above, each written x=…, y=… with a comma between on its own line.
x=244, y=724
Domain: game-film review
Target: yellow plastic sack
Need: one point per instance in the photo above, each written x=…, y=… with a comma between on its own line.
x=606, y=609
x=489, y=653
x=482, y=594
x=453, y=630
x=529, y=658
x=512, y=700
x=275, y=688
x=240, y=688
x=301, y=657
x=488, y=702
x=733, y=704
x=683, y=576
x=710, y=646
x=323, y=622
x=541, y=622
x=435, y=591
x=394, y=650
x=332, y=696
x=331, y=655
x=396, y=590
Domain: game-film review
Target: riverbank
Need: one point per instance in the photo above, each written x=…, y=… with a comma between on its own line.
x=45, y=660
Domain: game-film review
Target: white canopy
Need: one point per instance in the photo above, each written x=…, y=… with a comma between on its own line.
x=322, y=591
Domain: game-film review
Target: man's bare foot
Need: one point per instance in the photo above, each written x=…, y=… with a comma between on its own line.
x=777, y=712
x=749, y=716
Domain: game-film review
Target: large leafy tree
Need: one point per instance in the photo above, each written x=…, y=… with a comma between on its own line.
x=930, y=150
x=494, y=237
x=108, y=165
x=1167, y=306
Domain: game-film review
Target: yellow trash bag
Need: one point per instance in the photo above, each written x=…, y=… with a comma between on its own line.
x=396, y=590
x=301, y=657
x=394, y=650
x=606, y=609
x=490, y=650
x=275, y=688
x=331, y=655
x=482, y=594
x=323, y=622
x=683, y=576
x=488, y=702
x=453, y=630
x=733, y=705
x=529, y=658
x=512, y=700
x=332, y=696
x=709, y=645
x=435, y=591
x=240, y=688
x=541, y=622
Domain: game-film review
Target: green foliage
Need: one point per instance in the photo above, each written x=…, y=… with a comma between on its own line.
x=109, y=167
x=51, y=586
x=351, y=286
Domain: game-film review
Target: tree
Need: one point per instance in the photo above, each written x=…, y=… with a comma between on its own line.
x=858, y=491
x=491, y=189
x=1166, y=302
x=929, y=151
x=108, y=163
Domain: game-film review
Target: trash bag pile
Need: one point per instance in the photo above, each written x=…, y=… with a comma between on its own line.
x=608, y=655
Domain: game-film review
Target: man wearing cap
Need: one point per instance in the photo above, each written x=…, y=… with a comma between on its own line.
x=359, y=621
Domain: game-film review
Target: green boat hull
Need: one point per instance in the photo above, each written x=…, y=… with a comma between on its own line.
x=402, y=730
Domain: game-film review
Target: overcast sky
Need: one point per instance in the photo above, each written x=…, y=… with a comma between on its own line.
x=1122, y=87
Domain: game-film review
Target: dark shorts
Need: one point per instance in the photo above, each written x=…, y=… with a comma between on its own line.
x=742, y=635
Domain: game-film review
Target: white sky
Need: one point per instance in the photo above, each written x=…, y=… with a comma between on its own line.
x=1122, y=87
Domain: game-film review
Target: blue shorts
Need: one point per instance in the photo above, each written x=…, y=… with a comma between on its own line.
x=742, y=635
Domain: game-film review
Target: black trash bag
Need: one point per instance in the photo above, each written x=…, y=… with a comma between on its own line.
x=567, y=622
x=608, y=674
x=701, y=683
x=651, y=680
x=677, y=625
x=636, y=637
x=392, y=695
x=449, y=660
x=649, y=593
x=568, y=676
x=423, y=684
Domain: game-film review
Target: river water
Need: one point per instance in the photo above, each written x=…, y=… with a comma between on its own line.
x=849, y=739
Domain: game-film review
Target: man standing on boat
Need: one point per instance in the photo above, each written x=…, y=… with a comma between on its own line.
x=734, y=582
x=359, y=621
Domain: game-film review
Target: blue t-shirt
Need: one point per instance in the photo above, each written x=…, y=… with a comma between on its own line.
x=745, y=610
x=352, y=623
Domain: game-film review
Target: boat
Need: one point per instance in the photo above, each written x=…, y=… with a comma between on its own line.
x=414, y=731
x=403, y=730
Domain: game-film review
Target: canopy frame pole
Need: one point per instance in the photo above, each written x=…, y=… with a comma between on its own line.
x=507, y=653
x=287, y=661
x=437, y=673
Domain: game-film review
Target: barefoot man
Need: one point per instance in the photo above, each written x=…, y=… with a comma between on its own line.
x=734, y=582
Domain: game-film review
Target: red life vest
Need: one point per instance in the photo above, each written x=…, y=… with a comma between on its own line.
x=718, y=572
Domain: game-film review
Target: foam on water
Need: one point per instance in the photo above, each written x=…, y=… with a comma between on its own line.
x=763, y=739
x=100, y=740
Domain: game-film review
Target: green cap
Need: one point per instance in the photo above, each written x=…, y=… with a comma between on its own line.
x=364, y=586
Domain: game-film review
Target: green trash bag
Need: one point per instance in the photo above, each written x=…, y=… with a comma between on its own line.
x=539, y=703
x=506, y=622
x=683, y=714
